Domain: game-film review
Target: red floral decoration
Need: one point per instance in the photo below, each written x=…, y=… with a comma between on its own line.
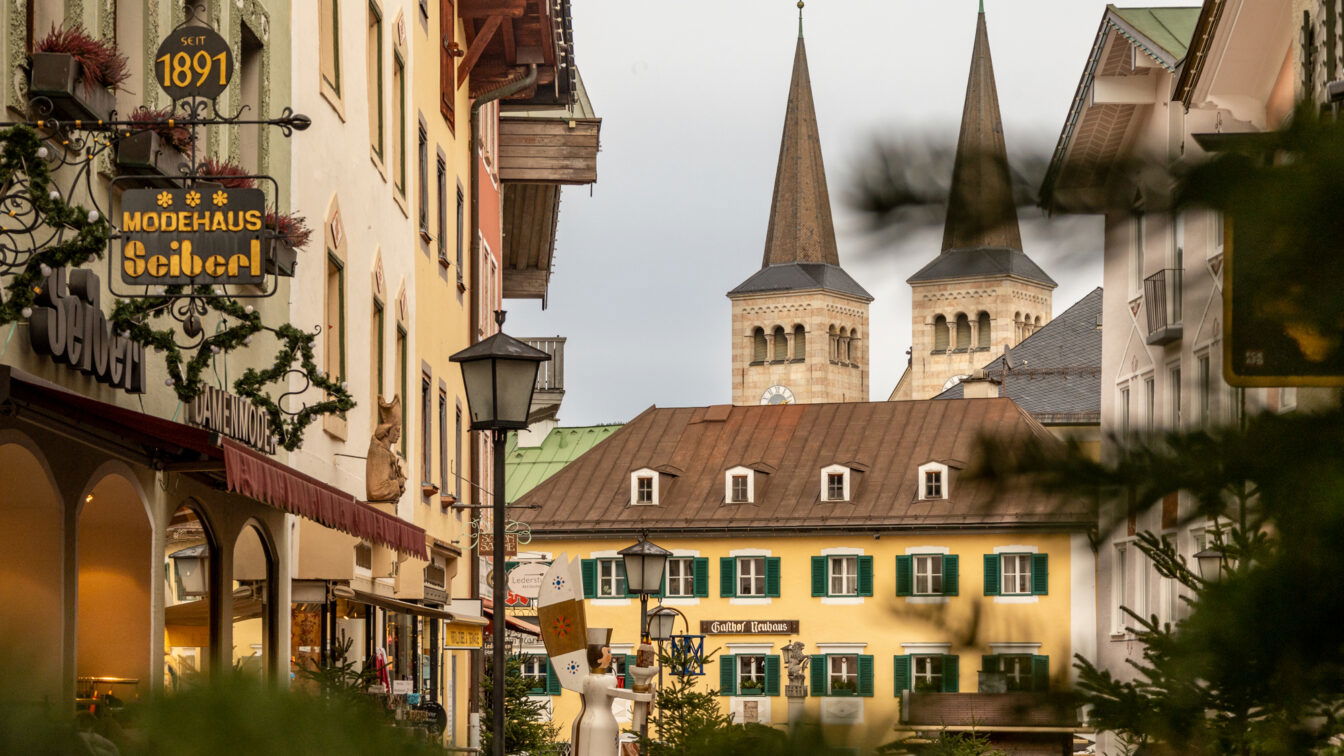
x=101, y=64
x=179, y=137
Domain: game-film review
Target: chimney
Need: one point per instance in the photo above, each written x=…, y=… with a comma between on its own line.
x=980, y=385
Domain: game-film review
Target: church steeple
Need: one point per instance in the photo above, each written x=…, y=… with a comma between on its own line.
x=800, y=227
x=980, y=209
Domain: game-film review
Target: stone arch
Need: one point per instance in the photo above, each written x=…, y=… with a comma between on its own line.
x=853, y=347
x=982, y=330
x=963, y=331
x=254, y=598
x=114, y=555
x=191, y=610
x=33, y=583
x=834, y=343
x=940, y=333
x=760, y=348
x=799, y=342
x=780, y=344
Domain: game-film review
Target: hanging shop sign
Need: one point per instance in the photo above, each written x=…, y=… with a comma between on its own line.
x=233, y=416
x=463, y=637
x=194, y=61
x=202, y=235
x=749, y=627
x=525, y=582
x=68, y=325
x=485, y=544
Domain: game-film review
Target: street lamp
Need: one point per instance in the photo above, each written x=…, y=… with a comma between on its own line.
x=500, y=374
x=644, y=565
x=1210, y=563
x=189, y=567
x=661, y=621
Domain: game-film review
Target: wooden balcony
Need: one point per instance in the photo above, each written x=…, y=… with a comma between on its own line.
x=550, y=387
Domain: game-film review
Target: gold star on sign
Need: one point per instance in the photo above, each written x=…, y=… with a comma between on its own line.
x=193, y=199
x=220, y=198
x=164, y=199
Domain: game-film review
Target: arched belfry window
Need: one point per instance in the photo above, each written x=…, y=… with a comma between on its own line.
x=963, y=331
x=842, y=345
x=853, y=350
x=799, y=342
x=781, y=344
x=940, y=334
x=835, y=345
x=982, y=326
x=759, y=347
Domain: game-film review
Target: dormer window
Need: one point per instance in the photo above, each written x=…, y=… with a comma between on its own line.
x=933, y=481
x=835, y=483
x=644, y=487
x=739, y=485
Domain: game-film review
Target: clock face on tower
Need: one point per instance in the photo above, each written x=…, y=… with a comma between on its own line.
x=777, y=395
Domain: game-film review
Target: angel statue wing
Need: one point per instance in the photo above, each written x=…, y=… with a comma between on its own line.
x=564, y=626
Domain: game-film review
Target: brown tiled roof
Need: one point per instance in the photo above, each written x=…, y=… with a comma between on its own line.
x=882, y=442
x=989, y=710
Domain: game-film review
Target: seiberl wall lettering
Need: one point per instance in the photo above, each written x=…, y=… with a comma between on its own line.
x=233, y=416
x=203, y=235
x=749, y=627
x=68, y=325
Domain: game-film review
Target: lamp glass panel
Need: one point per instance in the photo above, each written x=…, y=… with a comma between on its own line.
x=654, y=566
x=479, y=381
x=660, y=624
x=514, y=382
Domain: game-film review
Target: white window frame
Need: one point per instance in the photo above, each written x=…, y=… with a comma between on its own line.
x=826, y=472
x=750, y=667
x=643, y=473
x=1023, y=575
x=1149, y=401
x=845, y=568
x=604, y=582
x=755, y=576
x=1018, y=674
x=728, y=476
x=686, y=565
x=1136, y=259
x=533, y=669
x=1217, y=232
x=1120, y=581
x=845, y=673
x=928, y=661
x=922, y=486
x=922, y=567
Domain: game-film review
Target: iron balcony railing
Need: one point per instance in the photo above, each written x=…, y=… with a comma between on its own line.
x=1162, y=301
x=551, y=376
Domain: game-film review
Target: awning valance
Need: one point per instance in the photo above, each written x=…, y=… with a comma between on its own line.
x=406, y=607
x=252, y=474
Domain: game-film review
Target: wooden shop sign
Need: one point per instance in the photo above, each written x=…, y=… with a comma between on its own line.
x=233, y=416
x=201, y=235
x=748, y=627
x=68, y=326
x=193, y=61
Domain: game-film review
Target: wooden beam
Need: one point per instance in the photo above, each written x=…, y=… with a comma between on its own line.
x=484, y=8
x=510, y=49
x=478, y=46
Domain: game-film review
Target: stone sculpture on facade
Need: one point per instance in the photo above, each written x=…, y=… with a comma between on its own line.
x=795, y=662
x=384, y=469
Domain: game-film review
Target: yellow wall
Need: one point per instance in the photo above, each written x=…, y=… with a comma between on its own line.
x=970, y=621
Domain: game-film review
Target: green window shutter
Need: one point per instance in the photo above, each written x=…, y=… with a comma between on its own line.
x=951, y=674
x=950, y=575
x=865, y=576
x=866, y=675
x=772, y=577
x=905, y=575
x=1040, y=574
x=818, y=669
x=700, y=576
x=728, y=675
x=991, y=663
x=1040, y=673
x=772, y=675
x=901, y=672
x=629, y=681
x=727, y=577
x=589, y=570
x=552, y=680
x=991, y=574
x=819, y=576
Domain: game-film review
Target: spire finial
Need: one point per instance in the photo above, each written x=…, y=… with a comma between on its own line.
x=800, y=18
x=982, y=6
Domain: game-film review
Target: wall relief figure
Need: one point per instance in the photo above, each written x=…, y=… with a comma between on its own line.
x=384, y=469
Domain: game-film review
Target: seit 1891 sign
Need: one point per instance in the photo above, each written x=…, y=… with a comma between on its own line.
x=203, y=235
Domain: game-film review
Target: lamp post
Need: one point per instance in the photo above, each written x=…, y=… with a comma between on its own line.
x=500, y=374
x=1210, y=563
x=644, y=565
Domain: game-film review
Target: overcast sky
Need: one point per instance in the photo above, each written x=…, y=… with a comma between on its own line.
x=692, y=96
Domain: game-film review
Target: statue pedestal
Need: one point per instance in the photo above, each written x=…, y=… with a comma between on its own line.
x=797, y=695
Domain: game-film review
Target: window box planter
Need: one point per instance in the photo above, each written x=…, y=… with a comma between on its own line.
x=55, y=76
x=146, y=156
x=752, y=689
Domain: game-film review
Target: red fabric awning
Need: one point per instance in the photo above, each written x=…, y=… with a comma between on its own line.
x=252, y=474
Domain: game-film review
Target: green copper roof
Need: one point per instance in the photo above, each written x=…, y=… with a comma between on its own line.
x=1168, y=28
x=527, y=467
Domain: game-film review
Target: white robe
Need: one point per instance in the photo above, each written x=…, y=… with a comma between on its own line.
x=596, y=730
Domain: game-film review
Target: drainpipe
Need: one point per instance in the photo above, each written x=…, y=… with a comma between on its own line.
x=473, y=123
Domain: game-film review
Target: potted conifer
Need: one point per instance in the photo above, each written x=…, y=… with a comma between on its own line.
x=77, y=72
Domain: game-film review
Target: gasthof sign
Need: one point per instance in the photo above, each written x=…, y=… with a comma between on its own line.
x=202, y=235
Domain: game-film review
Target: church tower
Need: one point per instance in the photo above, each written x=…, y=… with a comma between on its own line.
x=981, y=294
x=800, y=323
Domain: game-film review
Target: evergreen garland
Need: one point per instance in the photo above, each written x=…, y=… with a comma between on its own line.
x=19, y=146
x=289, y=432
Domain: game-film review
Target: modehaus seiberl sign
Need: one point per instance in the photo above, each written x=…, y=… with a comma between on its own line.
x=68, y=325
x=204, y=235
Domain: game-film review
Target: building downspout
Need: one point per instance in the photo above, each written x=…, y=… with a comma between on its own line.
x=474, y=190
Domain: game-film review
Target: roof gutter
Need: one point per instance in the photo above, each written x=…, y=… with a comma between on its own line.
x=739, y=531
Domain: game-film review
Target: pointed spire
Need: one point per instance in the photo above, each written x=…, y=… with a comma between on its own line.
x=980, y=208
x=800, y=227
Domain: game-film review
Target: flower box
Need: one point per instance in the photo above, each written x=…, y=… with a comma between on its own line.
x=146, y=156
x=55, y=77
